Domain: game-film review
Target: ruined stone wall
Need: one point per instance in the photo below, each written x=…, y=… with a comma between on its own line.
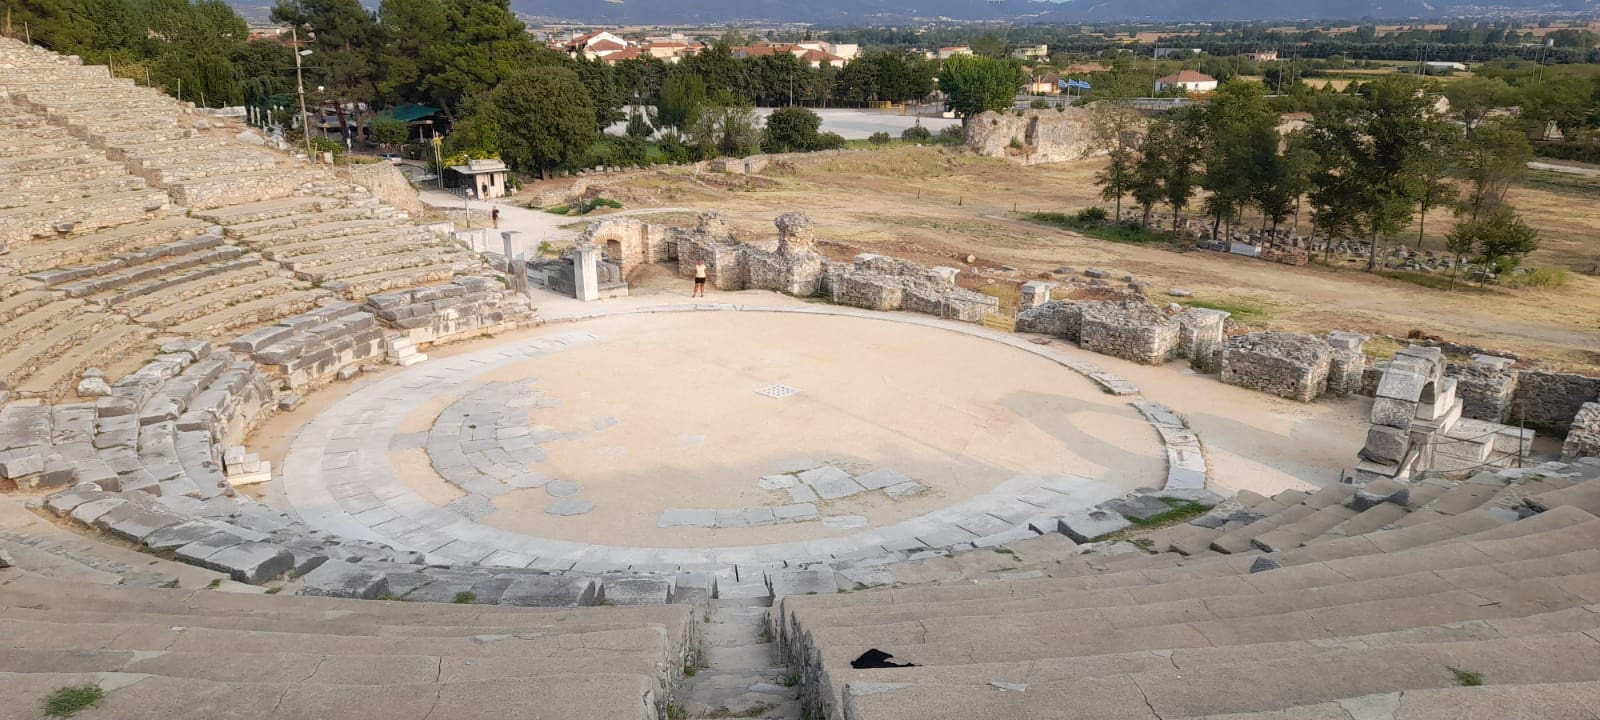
x=1485, y=390
x=311, y=347
x=1046, y=135
x=1583, y=437
x=389, y=185
x=1129, y=329
x=469, y=306
x=1061, y=319
x=1200, y=337
x=884, y=283
x=1550, y=400
x=1288, y=365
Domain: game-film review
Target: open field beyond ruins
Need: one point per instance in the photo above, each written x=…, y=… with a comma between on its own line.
x=937, y=206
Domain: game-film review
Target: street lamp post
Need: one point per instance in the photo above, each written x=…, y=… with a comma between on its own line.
x=300, y=84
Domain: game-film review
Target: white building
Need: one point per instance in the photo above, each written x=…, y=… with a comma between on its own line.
x=1188, y=80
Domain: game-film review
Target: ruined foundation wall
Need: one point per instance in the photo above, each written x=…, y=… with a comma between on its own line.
x=1045, y=135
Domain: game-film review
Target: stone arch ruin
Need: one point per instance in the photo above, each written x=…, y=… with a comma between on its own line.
x=1417, y=425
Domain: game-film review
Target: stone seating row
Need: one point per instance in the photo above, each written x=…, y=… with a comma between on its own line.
x=1468, y=580
x=199, y=653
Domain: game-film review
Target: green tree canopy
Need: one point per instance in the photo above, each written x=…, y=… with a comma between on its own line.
x=546, y=119
x=975, y=84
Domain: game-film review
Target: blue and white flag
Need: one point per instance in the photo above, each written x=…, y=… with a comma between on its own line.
x=1064, y=84
x=1084, y=84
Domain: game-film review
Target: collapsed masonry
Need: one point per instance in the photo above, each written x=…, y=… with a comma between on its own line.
x=793, y=267
x=1132, y=329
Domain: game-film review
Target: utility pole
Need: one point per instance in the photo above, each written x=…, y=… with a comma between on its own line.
x=300, y=85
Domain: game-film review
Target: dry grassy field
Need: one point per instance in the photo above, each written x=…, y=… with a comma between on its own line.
x=938, y=206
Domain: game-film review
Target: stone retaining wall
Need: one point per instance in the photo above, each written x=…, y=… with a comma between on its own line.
x=1550, y=400
x=1129, y=329
x=1583, y=437
x=310, y=347
x=1485, y=389
x=1059, y=318
x=1045, y=135
x=1285, y=364
x=469, y=306
x=388, y=184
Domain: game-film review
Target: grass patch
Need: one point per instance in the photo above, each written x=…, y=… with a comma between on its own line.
x=559, y=209
x=1102, y=230
x=1182, y=510
x=1546, y=277
x=274, y=590
x=1571, y=185
x=690, y=669
x=465, y=597
x=1009, y=295
x=677, y=712
x=214, y=584
x=68, y=701
x=1382, y=348
x=790, y=680
x=1467, y=678
x=1241, y=313
x=756, y=710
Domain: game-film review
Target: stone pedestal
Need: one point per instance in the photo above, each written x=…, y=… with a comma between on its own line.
x=586, y=275
x=1035, y=293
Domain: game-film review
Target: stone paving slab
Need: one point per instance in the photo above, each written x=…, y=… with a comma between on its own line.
x=365, y=500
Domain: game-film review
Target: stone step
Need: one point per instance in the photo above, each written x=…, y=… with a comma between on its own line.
x=201, y=169
x=284, y=228
x=44, y=635
x=1583, y=496
x=213, y=294
x=61, y=377
x=47, y=182
x=354, y=285
x=253, y=212
x=1238, y=539
x=1244, y=687
x=389, y=232
x=84, y=248
x=1295, y=534
x=1467, y=528
x=1372, y=519
x=151, y=277
x=47, y=162
x=235, y=188
x=72, y=192
x=327, y=614
x=1462, y=498
x=23, y=303
x=137, y=152
x=1547, y=701
x=315, y=669
x=359, y=224
x=145, y=697
x=1131, y=608
x=48, y=220
x=1563, y=530
x=121, y=138
x=32, y=332
x=259, y=311
x=394, y=249
x=1558, y=628
x=125, y=261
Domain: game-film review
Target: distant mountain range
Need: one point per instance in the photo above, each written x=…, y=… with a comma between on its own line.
x=631, y=12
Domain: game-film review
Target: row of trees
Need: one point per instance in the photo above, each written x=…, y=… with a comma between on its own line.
x=1366, y=169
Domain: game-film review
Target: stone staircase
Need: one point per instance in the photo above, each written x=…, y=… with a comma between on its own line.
x=199, y=653
x=1301, y=604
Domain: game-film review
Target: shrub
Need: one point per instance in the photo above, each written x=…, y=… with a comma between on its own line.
x=1015, y=144
x=1092, y=214
x=322, y=144
x=559, y=210
x=1039, y=104
x=915, y=133
x=951, y=135
x=879, y=138
x=830, y=141
x=68, y=701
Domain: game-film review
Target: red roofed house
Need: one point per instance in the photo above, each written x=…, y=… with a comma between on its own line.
x=1188, y=80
